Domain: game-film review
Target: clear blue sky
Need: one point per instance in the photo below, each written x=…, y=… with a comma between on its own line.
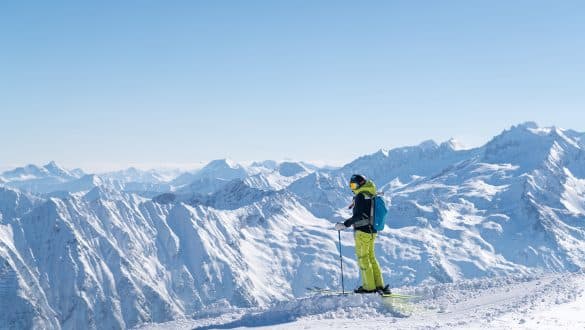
x=99, y=83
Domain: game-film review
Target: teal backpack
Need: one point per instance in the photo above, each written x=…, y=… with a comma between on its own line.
x=379, y=213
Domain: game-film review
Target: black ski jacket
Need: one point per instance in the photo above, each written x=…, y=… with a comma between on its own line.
x=361, y=210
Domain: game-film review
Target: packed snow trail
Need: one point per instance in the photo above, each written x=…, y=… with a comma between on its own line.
x=482, y=303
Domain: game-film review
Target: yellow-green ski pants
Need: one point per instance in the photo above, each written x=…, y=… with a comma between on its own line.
x=366, y=257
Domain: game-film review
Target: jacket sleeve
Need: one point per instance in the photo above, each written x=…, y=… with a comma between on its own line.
x=357, y=210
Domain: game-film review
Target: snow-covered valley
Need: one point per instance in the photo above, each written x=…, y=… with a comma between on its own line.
x=492, y=236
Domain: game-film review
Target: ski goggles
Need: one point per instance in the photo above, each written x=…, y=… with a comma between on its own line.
x=353, y=185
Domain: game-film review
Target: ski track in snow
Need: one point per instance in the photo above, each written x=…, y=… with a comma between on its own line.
x=526, y=302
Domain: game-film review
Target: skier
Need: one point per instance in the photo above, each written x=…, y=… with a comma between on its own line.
x=364, y=235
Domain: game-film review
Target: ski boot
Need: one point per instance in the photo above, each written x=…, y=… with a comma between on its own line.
x=384, y=290
x=362, y=290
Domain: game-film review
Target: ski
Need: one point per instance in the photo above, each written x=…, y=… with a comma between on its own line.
x=400, y=305
x=336, y=292
x=397, y=295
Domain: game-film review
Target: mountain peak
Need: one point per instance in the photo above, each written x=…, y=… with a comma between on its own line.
x=53, y=167
x=531, y=129
x=30, y=168
x=289, y=169
x=57, y=170
x=527, y=125
x=133, y=170
x=384, y=151
x=453, y=144
x=27, y=172
x=52, y=164
x=428, y=145
x=269, y=164
x=528, y=145
x=223, y=163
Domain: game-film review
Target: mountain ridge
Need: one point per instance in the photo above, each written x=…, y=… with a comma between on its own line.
x=110, y=252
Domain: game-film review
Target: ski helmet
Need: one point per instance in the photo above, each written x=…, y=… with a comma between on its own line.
x=356, y=181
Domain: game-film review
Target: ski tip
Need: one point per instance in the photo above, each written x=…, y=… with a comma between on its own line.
x=398, y=295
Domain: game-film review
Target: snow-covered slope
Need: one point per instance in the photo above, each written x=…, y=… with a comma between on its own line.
x=513, y=302
x=515, y=206
x=116, y=260
x=90, y=252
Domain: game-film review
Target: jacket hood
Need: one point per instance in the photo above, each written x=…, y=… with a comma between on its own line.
x=369, y=188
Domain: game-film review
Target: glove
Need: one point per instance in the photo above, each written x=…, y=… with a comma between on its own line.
x=340, y=226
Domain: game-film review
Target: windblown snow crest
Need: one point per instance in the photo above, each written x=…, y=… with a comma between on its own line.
x=120, y=249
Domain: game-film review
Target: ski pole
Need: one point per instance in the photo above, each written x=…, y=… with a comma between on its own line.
x=341, y=259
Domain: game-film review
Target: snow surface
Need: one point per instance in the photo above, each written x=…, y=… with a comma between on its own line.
x=548, y=301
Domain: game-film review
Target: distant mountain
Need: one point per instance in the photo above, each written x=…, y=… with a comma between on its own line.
x=97, y=254
x=290, y=169
x=233, y=195
x=53, y=180
x=266, y=175
x=32, y=172
x=235, y=182
x=519, y=204
x=38, y=179
x=267, y=164
x=276, y=177
x=210, y=178
x=134, y=175
x=325, y=192
x=147, y=183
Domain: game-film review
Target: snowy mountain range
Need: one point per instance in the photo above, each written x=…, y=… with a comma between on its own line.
x=115, y=250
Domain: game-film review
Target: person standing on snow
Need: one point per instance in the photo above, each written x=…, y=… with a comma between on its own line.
x=365, y=235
